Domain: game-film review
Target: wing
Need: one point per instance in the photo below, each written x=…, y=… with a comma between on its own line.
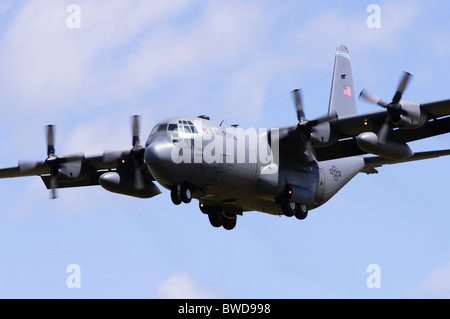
x=347, y=128
x=334, y=136
x=122, y=172
x=78, y=170
x=373, y=162
x=353, y=125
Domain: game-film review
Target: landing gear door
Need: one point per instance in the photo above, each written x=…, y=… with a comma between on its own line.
x=320, y=187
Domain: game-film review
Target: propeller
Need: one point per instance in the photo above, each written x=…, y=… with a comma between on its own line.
x=53, y=162
x=305, y=126
x=394, y=108
x=135, y=155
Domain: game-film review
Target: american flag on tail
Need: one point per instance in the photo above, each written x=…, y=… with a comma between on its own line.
x=348, y=91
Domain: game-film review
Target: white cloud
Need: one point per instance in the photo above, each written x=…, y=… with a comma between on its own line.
x=183, y=286
x=331, y=27
x=436, y=285
x=128, y=54
x=46, y=64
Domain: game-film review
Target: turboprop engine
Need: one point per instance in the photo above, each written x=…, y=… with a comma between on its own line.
x=128, y=179
x=125, y=184
x=369, y=142
x=400, y=114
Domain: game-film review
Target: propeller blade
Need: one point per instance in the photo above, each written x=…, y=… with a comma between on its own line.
x=298, y=104
x=401, y=87
x=136, y=141
x=25, y=167
x=50, y=140
x=138, y=179
x=384, y=130
x=310, y=152
x=326, y=118
x=372, y=98
x=53, y=187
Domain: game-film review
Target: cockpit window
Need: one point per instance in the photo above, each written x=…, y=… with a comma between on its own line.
x=159, y=128
x=183, y=126
x=155, y=129
x=187, y=126
x=162, y=127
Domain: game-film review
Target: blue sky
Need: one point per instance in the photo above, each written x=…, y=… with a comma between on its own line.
x=236, y=61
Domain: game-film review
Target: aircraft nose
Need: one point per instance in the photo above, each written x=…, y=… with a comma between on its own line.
x=159, y=161
x=157, y=153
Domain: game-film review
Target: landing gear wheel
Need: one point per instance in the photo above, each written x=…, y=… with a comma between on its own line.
x=216, y=218
x=302, y=211
x=288, y=207
x=229, y=223
x=185, y=194
x=175, y=196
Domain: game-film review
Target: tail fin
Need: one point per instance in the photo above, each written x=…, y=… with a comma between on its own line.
x=342, y=97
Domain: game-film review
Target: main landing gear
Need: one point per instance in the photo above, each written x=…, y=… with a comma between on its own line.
x=217, y=217
x=291, y=208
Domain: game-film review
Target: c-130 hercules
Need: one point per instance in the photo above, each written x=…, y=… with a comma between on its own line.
x=282, y=171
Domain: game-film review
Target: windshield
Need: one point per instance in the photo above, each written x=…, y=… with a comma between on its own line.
x=182, y=126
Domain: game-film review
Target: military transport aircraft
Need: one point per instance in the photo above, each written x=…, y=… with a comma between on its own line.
x=280, y=171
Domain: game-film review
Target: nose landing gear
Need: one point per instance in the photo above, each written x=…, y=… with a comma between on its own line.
x=181, y=193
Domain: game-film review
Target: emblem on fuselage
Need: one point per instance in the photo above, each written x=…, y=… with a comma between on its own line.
x=335, y=172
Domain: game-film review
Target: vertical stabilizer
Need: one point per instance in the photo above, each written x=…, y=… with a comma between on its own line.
x=342, y=97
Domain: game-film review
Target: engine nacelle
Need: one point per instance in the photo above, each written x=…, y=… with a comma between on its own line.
x=123, y=184
x=368, y=142
x=323, y=135
x=414, y=116
x=71, y=170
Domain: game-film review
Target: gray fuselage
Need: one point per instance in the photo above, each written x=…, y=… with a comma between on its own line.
x=242, y=170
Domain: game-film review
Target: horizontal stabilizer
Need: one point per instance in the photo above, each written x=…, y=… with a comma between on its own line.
x=377, y=161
